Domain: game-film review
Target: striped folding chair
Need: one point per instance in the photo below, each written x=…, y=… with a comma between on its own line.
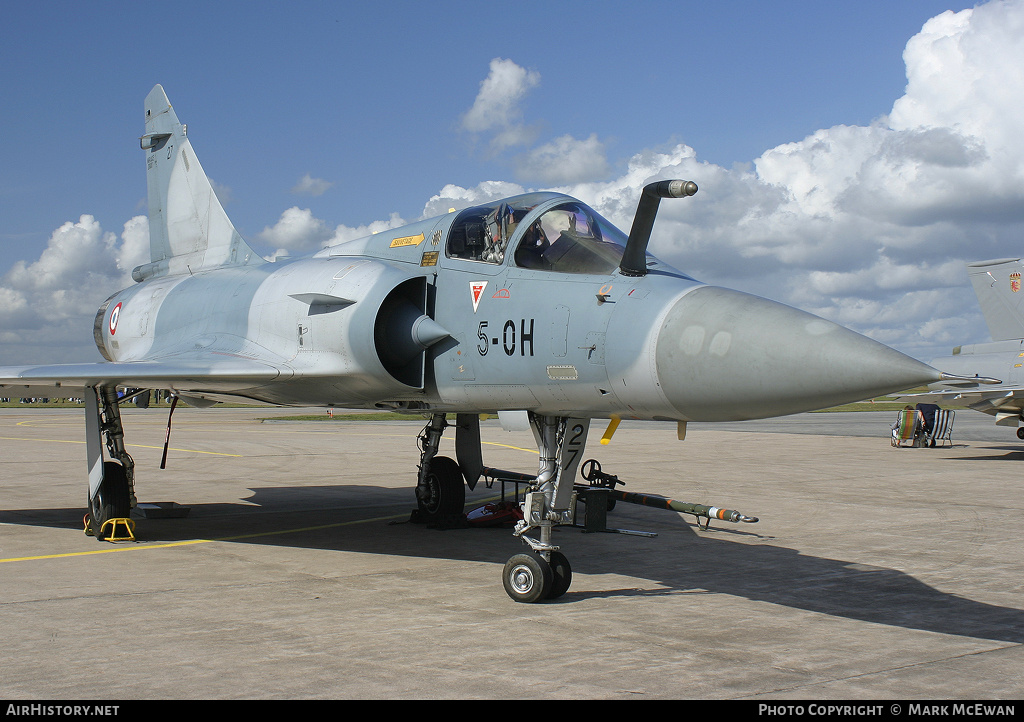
x=905, y=429
x=942, y=428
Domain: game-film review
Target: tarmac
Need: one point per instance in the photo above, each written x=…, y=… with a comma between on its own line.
x=874, y=573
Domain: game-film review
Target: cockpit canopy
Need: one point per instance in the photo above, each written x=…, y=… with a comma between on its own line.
x=569, y=237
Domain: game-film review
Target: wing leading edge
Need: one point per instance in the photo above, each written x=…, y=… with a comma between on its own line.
x=214, y=373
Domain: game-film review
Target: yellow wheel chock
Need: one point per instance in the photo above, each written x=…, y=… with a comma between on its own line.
x=113, y=525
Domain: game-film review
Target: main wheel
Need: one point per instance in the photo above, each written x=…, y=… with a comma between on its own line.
x=527, y=578
x=561, y=574
x=442, y=493
x=113, y=499
x=1020, y=433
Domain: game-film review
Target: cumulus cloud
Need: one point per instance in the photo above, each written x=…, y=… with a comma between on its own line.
x=343, y=233
x=457, y=197
x=907, y=201
x=496, y=112
x=46, y=305
x=296, y=230
x=496, y=109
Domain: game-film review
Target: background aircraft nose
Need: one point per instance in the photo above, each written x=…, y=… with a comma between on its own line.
x=725, y=355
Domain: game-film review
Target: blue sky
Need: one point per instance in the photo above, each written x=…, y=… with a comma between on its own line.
x=370, y=103
x=368, y=96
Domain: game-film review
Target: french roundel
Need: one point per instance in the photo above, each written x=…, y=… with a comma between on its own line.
x=113, y=318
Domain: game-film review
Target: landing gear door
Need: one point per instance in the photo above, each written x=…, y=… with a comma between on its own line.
x=467, y=448
x=569, y=457
x=93, y=441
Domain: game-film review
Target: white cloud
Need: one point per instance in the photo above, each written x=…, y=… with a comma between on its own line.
x=345, y=233
x=496, y=108
x=565, y=160
x=496, y=112
x=964, y=72
x=296, y=230
x=134, y=249
x=886, y=275
x=457, y=197
x=309, y=186
x=46, y=307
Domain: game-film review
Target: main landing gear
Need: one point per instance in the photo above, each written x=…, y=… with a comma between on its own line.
x=440, y=493
x=543, y=572
x=111, y=483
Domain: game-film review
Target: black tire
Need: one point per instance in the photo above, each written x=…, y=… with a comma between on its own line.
x=443, y=493
x=1020, y=433
x=113, y=499
x=527, y=578
x=561, y=575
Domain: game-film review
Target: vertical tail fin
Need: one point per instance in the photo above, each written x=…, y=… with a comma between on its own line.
x=997, y=284
x=188, y=228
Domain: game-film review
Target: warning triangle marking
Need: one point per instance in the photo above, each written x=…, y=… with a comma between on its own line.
x=476, y=289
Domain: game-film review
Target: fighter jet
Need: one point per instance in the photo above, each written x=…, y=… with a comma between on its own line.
x=533, y=307
x=992, y=373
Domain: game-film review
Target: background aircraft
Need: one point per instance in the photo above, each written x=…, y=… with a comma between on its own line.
x=997, y=284
x=533, y=306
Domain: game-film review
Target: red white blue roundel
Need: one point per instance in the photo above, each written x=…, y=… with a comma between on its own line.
x=113, y=318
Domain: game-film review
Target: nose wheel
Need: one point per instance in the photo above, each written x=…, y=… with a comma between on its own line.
x=529, y=578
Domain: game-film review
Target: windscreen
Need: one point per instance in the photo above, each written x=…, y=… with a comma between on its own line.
x=571, y=238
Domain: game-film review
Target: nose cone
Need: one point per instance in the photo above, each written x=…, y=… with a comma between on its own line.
x=723, y=355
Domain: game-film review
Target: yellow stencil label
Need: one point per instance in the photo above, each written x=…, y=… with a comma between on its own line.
x=407, y=241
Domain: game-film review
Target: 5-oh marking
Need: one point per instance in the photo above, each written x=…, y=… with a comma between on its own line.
x=512, y=337
x=113, y=318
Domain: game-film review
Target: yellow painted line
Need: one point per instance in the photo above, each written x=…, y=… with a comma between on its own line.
x=190, y=542
x=135, y=446
x=190, y=451
x=507, y=446
x=104, y=551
